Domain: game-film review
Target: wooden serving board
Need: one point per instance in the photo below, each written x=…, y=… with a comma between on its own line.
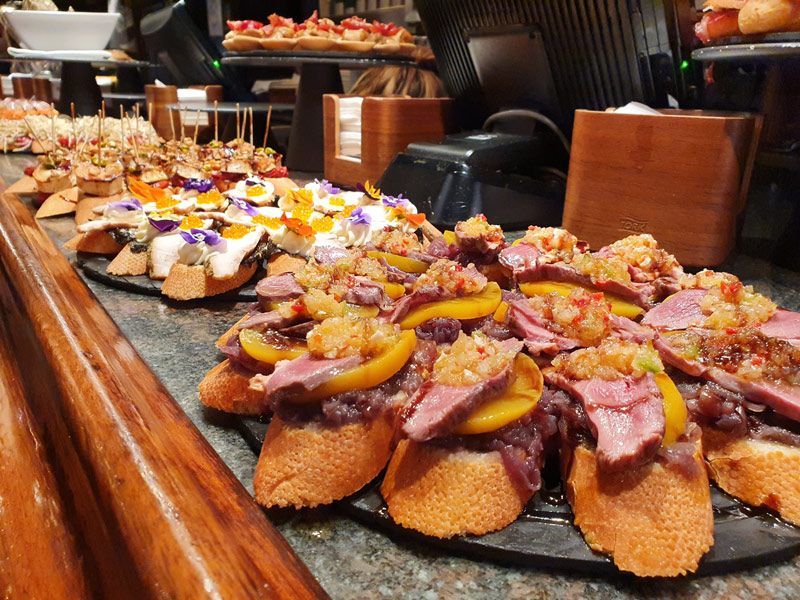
x=544, y=536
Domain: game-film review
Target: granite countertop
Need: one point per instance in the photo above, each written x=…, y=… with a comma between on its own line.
x=349, y=559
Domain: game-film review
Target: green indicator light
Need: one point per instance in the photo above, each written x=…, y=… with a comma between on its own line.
x=218, y=64
x=684, y=65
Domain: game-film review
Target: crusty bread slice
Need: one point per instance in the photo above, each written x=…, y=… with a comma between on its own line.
x=765, y=16
x=92, y=187
x=305, y=466
x=23, y=187
x=653, y=520
x=233, y=330
x=51, y=185
x=94, y=242
x=128, y=263
x=443, y=493
x=281, y=263
x=758, y=472
x=58, y=204
x=188, y=282
x=86, y=205
x=224, y=388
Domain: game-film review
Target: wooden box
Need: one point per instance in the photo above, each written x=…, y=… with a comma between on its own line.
x=682, y=176
x=388, y=125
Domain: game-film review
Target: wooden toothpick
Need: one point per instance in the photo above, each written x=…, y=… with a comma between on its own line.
x=216, y=122
x=266, y=127
x=196, y=125
x=251, y=127
x=238, y=136
x=172, y=122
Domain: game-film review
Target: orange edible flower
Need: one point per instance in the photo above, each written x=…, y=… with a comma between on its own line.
x=297, y=226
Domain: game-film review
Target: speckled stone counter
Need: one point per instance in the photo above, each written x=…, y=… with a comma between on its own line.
x=350, y=560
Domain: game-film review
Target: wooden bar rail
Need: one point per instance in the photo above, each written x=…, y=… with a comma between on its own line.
x=156, y=511
x=37, y=549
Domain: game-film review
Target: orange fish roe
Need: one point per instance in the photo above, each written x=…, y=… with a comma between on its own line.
x=601, y=269
x=236, y=231
x=582, y=316
x=165, y=202
x=729, y=303
x=471, y=359
x=210, y=197
x=452, y=277
x=346, y=212
x=612, y=359
x=302, y=213
x=396, y=242
x=268, y=222
x=336, y=201
x=191, y=222
x=642, y=251
x=479, y=227
x=556, y=243
x=349, y=336
x=322, y=224
x=254, y=191
x=335, y=278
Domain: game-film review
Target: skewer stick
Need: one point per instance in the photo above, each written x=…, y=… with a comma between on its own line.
x=150, y=112
x=216, y=122
x=266, y=127
x=238, y=136
x=196, y=125
x=33, y=133
x=74, y=129
x=100, y=120
x=172, y=122
x=251, y=128
x=122, y=130
x=244, y=123
x=53, y=127
x=181, y=118
x=103, y=108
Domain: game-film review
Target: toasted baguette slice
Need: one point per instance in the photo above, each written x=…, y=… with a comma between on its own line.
x=227, y=389
x=58, y=204
x=443, y=493
x=242, y=43
x=233, y=330
x=315, y=43
x=92, y=187
x=279, y=264
x=186, y=282
x=305, y=466
x=51, y=185
x=653, y=520
x=94, y=242
x=128, y=263
x=23, y=187
x=758, y=472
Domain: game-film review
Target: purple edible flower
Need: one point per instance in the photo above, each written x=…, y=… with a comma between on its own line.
x=164, y=225
x=251, y=181
x=244, y=206
x=211, y=238
x=326, y=185
x=201, y=185
x=131, y=204
x=394, y=201
x=359, y=217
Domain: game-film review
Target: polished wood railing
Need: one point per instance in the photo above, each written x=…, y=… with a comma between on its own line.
x=141, y=504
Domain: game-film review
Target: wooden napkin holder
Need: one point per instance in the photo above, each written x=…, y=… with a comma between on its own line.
x=682, y=177
x=388, y=125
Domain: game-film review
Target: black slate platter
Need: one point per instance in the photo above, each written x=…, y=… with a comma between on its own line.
x=544, y=536
x=94, y=267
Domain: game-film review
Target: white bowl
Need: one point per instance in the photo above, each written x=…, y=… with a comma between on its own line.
x=62, y=30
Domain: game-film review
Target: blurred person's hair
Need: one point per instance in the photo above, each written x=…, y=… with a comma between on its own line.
x=399, y=81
